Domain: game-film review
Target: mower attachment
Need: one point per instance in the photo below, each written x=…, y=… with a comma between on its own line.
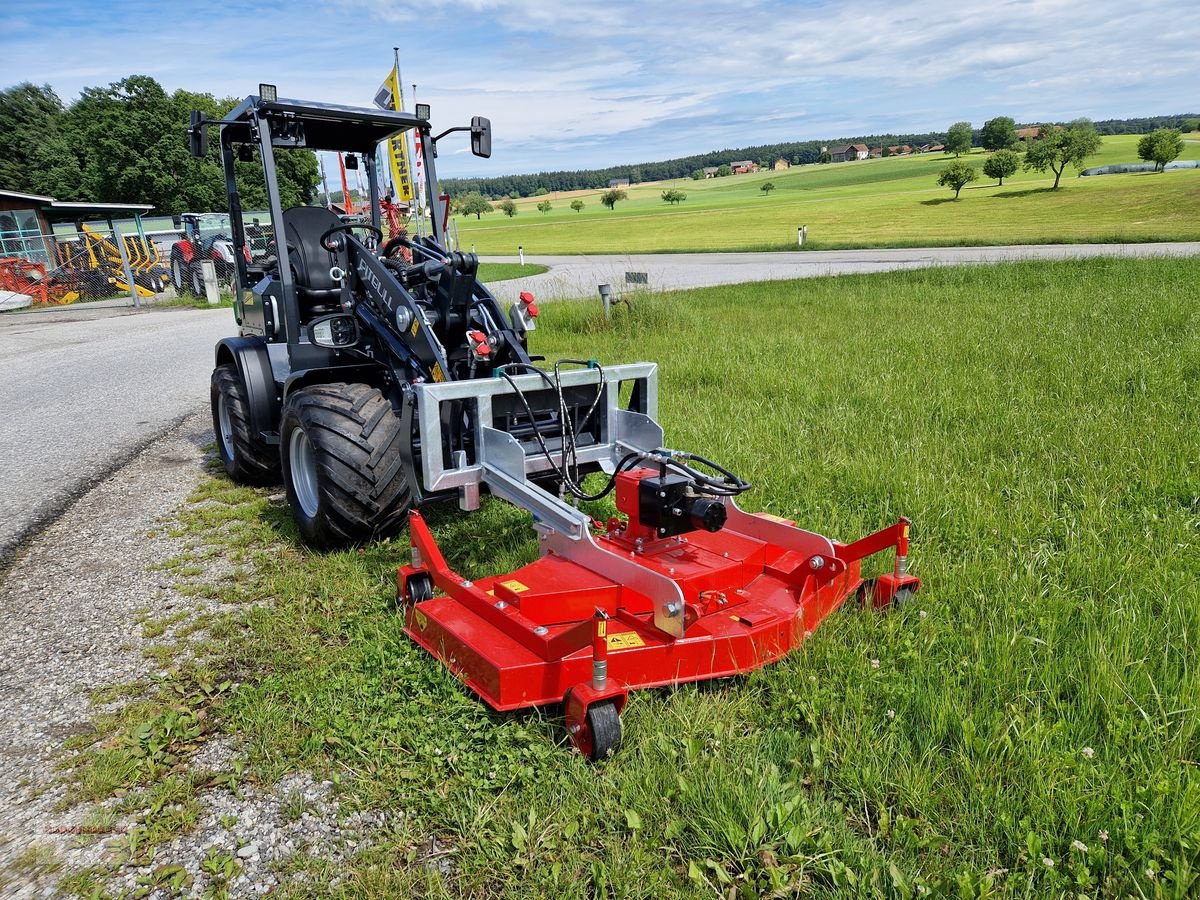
x=685, y=587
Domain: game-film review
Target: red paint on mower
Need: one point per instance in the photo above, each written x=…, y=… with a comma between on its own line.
x=555, y=630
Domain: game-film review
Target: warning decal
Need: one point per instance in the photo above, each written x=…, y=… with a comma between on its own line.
x=625, y=640
x=515, y=586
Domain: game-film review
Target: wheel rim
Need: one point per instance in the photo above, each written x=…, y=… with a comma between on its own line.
x=304, y=472
x=226, y=426
x=177, y=274
x=197, y=287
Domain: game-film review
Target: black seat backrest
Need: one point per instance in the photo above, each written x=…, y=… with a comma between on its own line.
x=310, y=262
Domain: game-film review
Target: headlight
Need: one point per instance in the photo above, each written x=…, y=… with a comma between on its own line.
x=404, y=318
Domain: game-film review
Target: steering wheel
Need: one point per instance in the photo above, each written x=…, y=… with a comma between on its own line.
x=347, y=226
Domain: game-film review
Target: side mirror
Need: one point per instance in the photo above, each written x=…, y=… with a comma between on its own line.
x=481, y=136
x=337, y=332
x=245, y=153
x=352, y=161
x=198, y=135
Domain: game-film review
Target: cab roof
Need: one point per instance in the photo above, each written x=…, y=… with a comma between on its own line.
x=317, y=126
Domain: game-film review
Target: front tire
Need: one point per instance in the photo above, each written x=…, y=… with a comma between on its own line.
x=340, y=448
x=247, y=460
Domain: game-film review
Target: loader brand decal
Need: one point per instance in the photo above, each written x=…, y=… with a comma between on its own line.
x=369, y=275
x=515, y=586
x=625, y=640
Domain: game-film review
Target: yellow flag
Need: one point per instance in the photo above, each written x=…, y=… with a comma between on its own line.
x=388, y=97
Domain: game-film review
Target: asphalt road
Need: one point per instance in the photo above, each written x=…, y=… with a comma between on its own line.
x=83, y=390
x=578, y=276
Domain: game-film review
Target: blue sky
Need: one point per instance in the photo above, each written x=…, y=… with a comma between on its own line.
x=575, y=83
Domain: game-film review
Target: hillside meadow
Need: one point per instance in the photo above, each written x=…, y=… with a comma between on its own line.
x=872, y=203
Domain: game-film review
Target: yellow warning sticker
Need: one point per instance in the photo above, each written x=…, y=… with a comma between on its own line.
x=515, y=586
x=421, y=619
x=773, y=518
x=438, y=374
x=601, y=628
x=625, y=640
x=414, y=328
x=904, y=532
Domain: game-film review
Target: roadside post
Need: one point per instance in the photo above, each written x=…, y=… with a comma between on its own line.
x=208, y=274
x=521, y=253
x=606, y=297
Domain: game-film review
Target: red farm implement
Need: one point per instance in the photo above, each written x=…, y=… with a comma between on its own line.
x=683, y=586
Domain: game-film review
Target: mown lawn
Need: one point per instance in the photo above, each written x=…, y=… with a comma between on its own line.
x=873, y=203
x=1028, y=727
x=490, y=273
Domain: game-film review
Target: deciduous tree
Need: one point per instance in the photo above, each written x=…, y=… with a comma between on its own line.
x=611, y=197
x=544, y=206
x=1002, y=164
x=673, y=196
x=1058, y=147
x=957, y=175
x=1160, y=147
x=999, y=133
x=767, y=187
x=474, y=204
x=958, y=139
x=577, y=205
x=508, y=207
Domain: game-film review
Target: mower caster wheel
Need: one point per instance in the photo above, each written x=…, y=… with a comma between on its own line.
x=418, y=588
x=599, y=735
x=903, y=597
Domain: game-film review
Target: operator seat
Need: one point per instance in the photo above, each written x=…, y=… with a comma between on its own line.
x=316, y=290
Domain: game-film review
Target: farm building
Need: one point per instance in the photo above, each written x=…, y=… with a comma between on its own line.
x=848, y=152
x=1029, y=134
x=876, y=152
x=743, y=166
x=781, y=164
x=618, y=183
x=710, y=171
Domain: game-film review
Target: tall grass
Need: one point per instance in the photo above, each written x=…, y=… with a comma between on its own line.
x=1028, y=727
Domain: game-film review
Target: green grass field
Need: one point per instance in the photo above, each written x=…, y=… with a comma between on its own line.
x=489, y=273
x=1027, y=728
x=873, y=203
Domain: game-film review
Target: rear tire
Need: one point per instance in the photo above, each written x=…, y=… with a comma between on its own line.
x=179, y=273
x=247, y=460
x=340, y=448
x=197, y=279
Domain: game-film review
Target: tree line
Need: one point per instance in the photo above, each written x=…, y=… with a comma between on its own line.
x=127, y=143
x=795, y=152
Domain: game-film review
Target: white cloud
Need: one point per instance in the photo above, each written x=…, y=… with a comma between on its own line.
x=579, y=83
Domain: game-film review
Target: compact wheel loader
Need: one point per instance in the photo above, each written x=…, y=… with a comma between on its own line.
x=376, y=377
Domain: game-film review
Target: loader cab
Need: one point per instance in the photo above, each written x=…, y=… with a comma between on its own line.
x=284, y=277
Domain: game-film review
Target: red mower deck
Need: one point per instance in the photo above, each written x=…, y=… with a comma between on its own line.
x=556, y=628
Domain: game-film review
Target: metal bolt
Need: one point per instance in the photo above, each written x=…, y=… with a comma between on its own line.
x=672, y=609
x=500, y=604
x=468, y=584
x=541, y=629
x=817, y=562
